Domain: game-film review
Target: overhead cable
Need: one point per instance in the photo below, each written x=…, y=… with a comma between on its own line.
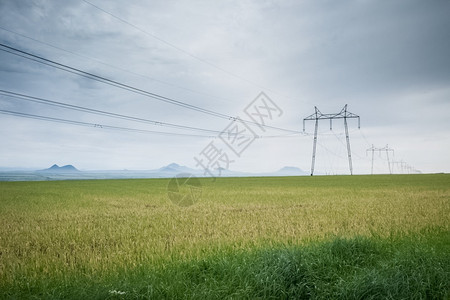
x=127, y=87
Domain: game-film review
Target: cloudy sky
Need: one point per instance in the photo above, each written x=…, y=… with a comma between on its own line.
x=388, y=60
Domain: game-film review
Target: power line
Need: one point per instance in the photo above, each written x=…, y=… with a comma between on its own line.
x=127, y=87
x=172, y=45
x=109, y=65
x=105, y=80
x=96, y=125
x=364, y=137
x=120, y=116
x=100, y=112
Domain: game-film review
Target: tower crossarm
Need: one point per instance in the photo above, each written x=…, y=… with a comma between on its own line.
x=343, y=114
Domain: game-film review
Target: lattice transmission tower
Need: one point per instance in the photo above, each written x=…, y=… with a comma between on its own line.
x=343, y=114
x=384, y=149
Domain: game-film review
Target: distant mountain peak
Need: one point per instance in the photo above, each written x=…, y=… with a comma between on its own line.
x=174, y=167
x=56, y=168
x=288, y=170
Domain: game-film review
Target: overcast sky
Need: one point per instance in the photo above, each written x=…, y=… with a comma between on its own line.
x=388, y=60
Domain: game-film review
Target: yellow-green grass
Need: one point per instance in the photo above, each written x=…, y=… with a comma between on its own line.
x=81, y=232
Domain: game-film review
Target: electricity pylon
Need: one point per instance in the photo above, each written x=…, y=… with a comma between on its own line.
x=397, y=163
x=343, y=114
x=402, y=166
x=387, y=149
x=405, y=168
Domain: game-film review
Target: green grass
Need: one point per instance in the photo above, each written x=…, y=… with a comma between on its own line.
x=351, y=237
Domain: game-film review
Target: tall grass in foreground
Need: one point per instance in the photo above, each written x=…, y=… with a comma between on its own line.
x=97, y=239
x=339, y=268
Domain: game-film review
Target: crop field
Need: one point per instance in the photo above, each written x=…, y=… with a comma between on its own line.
x=351, y=237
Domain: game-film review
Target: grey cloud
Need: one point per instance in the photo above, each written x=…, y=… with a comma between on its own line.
x=388, y=60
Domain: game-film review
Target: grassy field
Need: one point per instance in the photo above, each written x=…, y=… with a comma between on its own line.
x=351, y=237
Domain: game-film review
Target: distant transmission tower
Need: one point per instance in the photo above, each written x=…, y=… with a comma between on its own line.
x=405, y=168
x=343, y=114
x=402, y=165
x=387, y=150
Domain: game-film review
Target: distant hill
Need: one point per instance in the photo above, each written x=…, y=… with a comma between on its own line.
x=56, y=172
x=290, y=171
x=174, y=168
x=58, y=169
